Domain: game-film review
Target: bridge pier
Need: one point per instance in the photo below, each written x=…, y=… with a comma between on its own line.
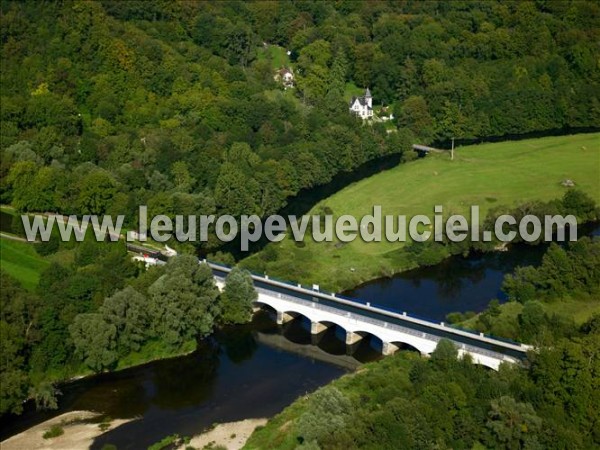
x=352, y=342
x=317, y=330
x=316, y=338
x=352, y=338
x=283, y=317
x=317, y=327
x=389, y=349
x=351, y=348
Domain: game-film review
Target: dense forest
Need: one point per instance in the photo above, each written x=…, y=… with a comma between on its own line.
x=409, y=402
x=108, y=105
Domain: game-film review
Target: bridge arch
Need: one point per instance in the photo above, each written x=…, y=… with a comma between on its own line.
x=393, y=330
x=298, y=315
x=404, y=346
x=266, y=309
x=262, y=305
x=485, y=367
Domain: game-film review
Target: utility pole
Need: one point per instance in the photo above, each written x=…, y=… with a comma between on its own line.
x=452, y=151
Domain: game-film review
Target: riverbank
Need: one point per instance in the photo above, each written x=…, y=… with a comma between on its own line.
x=488, y=175
x=230, y=435
x=79, y=431
x=147, y=356
x=234, y=374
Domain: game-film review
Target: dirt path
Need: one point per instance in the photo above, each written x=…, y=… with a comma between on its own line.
x=16, y=238
x=231, y=435
x=78, y=435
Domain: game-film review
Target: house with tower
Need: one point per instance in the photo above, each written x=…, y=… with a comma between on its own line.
x=362, y=106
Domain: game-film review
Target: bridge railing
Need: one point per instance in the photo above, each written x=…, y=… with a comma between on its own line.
x=336, y=297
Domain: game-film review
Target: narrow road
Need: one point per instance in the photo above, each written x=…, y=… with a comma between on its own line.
x=13, y=237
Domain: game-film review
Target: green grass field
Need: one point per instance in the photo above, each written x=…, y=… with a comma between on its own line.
x=276, y=54
x=579, y=310
x=488, y=175
x=20, y=260
x=352, y=90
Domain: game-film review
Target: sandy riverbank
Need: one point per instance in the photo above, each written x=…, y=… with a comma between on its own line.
x=231, y=435
x=78, y=433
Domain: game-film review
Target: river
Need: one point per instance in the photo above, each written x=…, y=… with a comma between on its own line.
x=456, y=284
x=257, y=369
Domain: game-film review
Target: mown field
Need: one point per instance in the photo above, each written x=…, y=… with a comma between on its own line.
x=277, y=55
x=20, y=260
x=488, y=175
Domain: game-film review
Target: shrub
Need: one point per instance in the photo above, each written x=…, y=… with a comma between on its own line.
x=54, y=431
x=328, y=410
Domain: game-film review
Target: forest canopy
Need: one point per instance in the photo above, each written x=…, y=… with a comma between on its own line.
x=108, y=105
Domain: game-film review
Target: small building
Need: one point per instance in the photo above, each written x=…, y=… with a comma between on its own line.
x=148, y=260
x=362, y=106
x=286, y=77
x=134, y=235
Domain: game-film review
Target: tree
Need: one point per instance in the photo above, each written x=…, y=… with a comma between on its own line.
x=364, y=56
x=414, y=115
x=127, y=311
x=235, y=193
x=240, y=44
x=181, y=176
x=329, y=409
x=183, y=301
x=337, y=76
x=19, y=322
x=521, y=285
x=13, y=378
x=95, y=341
x=237, y=297
x=445, y=353
x=513, y=424
x=532, y=319
x=580, y=204
x=21, y=178
x=45, y=395
x=313, y=69
x=96, y=191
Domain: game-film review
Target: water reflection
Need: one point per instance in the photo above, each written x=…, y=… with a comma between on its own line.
x=253, y=370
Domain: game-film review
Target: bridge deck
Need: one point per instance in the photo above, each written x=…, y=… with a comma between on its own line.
x=385, y=317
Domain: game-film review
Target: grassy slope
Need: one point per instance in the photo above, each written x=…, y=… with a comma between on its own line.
x=579, y=310
x=277, y=55
x=21, y=261
x=351, y=90
x=507, y=173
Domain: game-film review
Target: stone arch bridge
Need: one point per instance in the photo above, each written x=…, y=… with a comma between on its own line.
x=359, y=320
